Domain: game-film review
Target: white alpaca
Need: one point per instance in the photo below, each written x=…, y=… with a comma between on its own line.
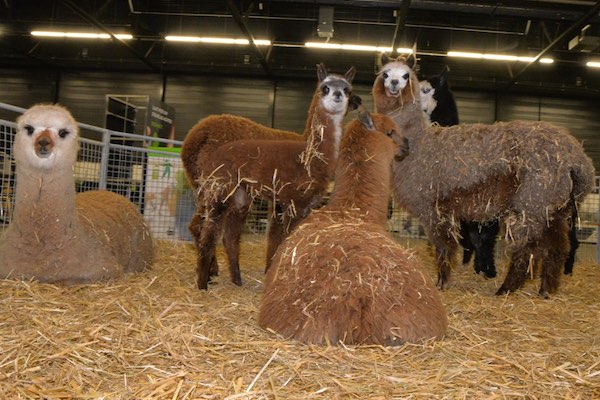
x=56, y=235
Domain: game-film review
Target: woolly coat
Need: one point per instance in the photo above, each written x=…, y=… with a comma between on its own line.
x=521, y=170
x=340, y=277
x=215, y=130
x=58, y=236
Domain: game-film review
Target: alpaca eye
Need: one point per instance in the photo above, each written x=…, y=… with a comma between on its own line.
x=325, y=90
x=62, y=133
x=390, y=133
x=346, y=91
x=29, y=129
x=405, y=76
x=385, y=75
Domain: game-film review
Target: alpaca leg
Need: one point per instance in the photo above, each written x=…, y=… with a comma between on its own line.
x=484, y=241
x=195, y=228
x=207, y=244
x=445, y=256
x=555, y=244
x=573, y=245
x=521, y=259
x=465, y=242
x=233, y=227
x=274, y=238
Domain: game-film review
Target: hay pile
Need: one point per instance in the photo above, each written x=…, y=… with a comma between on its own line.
x=155, y=336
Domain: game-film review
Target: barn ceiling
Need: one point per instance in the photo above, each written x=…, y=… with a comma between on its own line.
x=520, y=27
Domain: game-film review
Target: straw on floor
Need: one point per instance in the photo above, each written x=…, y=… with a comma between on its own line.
x=155, y=336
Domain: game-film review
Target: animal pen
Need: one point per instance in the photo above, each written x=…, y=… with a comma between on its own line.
x=153, y=335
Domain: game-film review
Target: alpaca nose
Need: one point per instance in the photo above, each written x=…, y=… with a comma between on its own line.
x=394, y=82
x=44, y=145
x=337, y=95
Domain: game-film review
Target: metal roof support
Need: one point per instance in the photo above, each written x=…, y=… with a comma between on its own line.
x=400, y=23
x=237, y=16
x=580, y=23
x=82, y=13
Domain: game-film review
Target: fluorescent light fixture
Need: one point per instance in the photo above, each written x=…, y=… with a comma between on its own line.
x=593, y=64
x=199, y=39
x=355, y=47
x=80, y=35
x=498, y=57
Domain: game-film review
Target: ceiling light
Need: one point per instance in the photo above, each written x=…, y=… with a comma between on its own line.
x=199, y=39
x=356, y=47
x=80, y=35
x=593, y=64
x=497, y=57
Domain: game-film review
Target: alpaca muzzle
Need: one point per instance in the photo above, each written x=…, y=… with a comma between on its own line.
x=44, y=145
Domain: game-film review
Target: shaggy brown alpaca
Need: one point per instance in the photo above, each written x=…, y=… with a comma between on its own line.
x=340, y=276
x=291, y=174
x=55, y=235
x=527, y=174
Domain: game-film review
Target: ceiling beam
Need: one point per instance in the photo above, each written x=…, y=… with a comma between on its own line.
x=580, y=23
x=400, y=24
x=237, y=16
x=92, y=20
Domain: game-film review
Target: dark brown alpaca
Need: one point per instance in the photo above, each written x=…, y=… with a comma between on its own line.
x=291, y=174
x=340, y=276
x=57, y=235
x=527, y=174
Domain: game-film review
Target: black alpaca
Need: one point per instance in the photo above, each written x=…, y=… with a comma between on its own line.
x=475, y=238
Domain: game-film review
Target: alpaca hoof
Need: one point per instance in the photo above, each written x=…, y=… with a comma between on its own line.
x=489, y=274
x=237, y=281
x=544, y=294
x=442, y=283
x=503, y=291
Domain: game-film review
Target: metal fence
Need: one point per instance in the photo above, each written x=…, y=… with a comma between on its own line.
x=149, y=172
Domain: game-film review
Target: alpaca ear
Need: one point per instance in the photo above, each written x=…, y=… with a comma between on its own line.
x=444, y=76
x=384, y=59
x=321, y=72
x=364, y=116
x=349, y=75
x=411, y=60
x=354, y=103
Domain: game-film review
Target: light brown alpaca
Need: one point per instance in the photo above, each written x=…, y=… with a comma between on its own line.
x=340, y=276
x=55, y=235
x=291, y=174
x=527, y=174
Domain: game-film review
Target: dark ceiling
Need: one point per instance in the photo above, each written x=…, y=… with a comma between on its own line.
x=513, y=26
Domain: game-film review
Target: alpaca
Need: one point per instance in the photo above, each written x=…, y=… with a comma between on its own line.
x=340, y=276
x=439, y=105
x=291, y=174
x=527, y=174
x=56, y=235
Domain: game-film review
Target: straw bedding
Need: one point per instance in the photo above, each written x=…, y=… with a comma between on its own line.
x=155, y=336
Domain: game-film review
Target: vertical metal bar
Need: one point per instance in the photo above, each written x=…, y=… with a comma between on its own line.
x=597, y=181
x=104, y=160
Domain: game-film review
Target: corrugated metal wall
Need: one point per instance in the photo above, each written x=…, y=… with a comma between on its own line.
x=196, y=97
x=281, y=104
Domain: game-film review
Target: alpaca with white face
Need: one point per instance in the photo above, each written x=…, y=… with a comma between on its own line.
x=292, y=174
x=56, y=235
x=428, y=102
x=395, y=76
x=529, y=175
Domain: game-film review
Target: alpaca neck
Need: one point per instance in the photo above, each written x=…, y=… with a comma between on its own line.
x=45, y=201
x=411, y=122
x=323, y=142
x=362, y=185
